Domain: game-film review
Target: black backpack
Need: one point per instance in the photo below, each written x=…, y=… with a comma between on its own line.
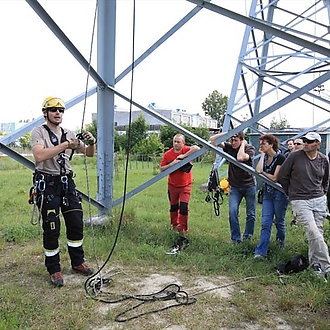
x=294, y=265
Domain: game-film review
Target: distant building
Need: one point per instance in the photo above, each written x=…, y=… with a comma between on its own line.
x=178, y=116
x=7, y=128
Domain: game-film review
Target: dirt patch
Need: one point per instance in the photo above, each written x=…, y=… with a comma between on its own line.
x=201, y=287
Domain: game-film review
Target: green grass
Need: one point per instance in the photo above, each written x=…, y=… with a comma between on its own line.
x=27, y=301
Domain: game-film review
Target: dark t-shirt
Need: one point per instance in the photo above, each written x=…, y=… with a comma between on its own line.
x=279, y=160
x=303, y=178
x=238, y=177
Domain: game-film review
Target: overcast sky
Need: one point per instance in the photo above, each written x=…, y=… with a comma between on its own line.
x=200, y=58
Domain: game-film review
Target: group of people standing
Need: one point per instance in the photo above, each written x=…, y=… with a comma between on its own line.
x=299, y=176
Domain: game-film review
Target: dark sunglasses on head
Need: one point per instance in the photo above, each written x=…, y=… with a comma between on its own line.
x=309, y=141
x=61, y=110
x=298, y=144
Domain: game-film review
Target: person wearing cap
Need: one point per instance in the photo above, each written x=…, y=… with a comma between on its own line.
x=52, y=148
x=304, y=177
x=242, y=185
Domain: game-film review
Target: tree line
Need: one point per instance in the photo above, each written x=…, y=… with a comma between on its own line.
x=138, y=140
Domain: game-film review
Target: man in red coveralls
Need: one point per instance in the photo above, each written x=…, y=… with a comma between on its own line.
x=179, y=188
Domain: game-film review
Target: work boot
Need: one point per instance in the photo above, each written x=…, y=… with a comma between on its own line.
x=57, y=279
x=83, y=269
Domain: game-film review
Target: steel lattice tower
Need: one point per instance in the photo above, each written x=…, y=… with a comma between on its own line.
x=283, y=64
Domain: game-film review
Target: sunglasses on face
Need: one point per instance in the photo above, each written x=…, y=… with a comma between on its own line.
x=309, y=141
x=61, y=110
x=298, y=144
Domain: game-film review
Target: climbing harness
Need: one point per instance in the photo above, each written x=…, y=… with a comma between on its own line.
x=214, y=192
x=62, y=158
x=40, y=180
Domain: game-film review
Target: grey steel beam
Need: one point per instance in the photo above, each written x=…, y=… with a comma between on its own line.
x=262, y=26
x=30, y=165
x=35, y=5
x=106, y=47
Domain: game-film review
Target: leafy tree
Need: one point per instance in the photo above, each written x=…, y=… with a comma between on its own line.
x=92, y=128
x=25, y=141
x=151, y=145
x=166, y=136
x=201, y=131
x=215, y=105
x=139, y=133
x=120, y=141
x=167, y=133
x=279, y=124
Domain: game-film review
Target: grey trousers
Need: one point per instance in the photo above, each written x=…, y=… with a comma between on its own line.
x=311, y=214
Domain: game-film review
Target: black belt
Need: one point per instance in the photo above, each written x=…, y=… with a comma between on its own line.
x=51, y=177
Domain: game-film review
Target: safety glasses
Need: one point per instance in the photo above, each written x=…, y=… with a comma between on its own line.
x=61, y=110
x=54, y=102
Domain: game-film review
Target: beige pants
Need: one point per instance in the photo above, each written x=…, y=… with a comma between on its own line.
x=311, y=213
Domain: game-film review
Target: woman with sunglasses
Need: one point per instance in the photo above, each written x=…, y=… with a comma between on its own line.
x=305, y=177
x=274, y=202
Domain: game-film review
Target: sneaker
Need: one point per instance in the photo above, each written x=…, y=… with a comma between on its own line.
x=57, y=279
x=259, y=257
x=293, y=223
x=174, y=250
x=318, y=270
x=83, y=269
x=320, y=273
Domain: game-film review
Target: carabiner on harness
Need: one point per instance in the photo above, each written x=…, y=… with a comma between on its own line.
x=39, y=187
x=42, y=184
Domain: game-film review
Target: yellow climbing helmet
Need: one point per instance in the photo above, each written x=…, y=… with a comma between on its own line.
x=225, y=186
x=53, y=102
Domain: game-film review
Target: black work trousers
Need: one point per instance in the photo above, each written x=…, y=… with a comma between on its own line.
x=56, y=199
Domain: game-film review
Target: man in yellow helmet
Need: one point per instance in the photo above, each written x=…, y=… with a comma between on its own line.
x=52, y=148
